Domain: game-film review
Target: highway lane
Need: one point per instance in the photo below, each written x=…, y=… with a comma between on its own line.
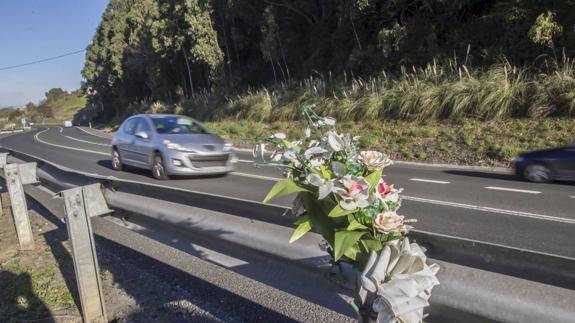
x=522, y=226
x=477, y=188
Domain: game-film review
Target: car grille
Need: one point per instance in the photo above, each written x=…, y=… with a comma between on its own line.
x=209, y=161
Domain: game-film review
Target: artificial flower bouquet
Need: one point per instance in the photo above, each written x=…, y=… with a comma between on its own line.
x=342, y=194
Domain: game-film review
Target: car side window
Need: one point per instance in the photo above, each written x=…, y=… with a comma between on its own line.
x=143, y=126
x=130, y=126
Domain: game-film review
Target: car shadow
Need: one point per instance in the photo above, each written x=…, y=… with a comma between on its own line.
x=106, y=163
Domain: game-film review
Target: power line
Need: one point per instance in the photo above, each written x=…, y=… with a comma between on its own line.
x=41, y=60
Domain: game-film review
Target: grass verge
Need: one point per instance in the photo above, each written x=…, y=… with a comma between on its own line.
x=468, y=142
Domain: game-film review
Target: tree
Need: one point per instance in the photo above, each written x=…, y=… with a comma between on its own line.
x=55, y=94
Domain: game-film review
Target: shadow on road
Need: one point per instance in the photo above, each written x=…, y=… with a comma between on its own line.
x=490, y=175
x=502, y=176
x=147, y=173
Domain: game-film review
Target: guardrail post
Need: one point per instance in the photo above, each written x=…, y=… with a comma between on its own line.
x=14, y=182
x=81, y=203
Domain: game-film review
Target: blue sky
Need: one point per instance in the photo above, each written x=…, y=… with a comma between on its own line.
x=36, y=29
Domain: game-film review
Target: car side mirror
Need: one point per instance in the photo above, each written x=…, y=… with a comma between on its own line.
x=142, y=135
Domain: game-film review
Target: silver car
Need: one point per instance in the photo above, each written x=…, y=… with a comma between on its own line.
x=170, y=145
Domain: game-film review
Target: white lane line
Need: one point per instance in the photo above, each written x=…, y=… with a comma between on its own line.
x=453, y=204
x=93, y=134
x=267, y=178
x=573, y=197
x=37, y=138
x=428, y=181
x=493, y=210
x=89, y=142
x=245, y=161
x=511, y=190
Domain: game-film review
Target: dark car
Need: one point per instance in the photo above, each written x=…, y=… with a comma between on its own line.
x=547, y=165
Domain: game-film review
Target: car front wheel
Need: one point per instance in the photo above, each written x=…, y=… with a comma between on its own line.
x=116, y=161
x=538, y=173
x=158, y=168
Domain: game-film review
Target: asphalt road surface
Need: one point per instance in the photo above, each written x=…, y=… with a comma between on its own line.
x=495, y=207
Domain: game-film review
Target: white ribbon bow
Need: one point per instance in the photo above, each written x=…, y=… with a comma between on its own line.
x=401, y=281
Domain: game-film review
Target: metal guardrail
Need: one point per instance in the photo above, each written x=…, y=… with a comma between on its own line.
x=478, y=290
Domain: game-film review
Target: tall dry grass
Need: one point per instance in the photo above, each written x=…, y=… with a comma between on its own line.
x=449, y=91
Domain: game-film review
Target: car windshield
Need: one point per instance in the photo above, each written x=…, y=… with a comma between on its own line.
x=177, y=125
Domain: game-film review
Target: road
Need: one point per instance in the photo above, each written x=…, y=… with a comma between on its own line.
x=487, y=206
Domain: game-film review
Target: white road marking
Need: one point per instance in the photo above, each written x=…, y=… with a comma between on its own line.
x=511, y=190
x=89, y=142
x=245, y=161
x=428, y=181
x=37, y=138
x=493, y=210
x=573, y=197
x=267, y=178
x=93, y=134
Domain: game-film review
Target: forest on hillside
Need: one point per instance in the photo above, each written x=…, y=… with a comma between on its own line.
x=176, y=51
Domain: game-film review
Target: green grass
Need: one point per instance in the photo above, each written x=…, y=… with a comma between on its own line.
x=33, y=290
x=470, y=141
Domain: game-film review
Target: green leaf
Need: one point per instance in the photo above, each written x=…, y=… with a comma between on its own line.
x=354, y=225
x=283, y=187
x=352, y=252
x=344, y=240
x=373, y=179
x=304, y=225
x=372, y=245
x=326, y=173
x=319, y=219
x=338, y=211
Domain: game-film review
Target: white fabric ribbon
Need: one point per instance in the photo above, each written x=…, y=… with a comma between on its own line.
x=399, y=282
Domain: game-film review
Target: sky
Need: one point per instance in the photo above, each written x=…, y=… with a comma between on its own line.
x=32, y=30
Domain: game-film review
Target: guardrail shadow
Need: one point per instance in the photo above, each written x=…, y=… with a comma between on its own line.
x=204, y=294
x=312, y=285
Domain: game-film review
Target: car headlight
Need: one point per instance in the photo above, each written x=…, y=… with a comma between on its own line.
x=518, y=159
x=228, y=146
x=175, y=146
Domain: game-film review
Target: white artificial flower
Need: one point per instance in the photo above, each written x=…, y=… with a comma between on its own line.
x=334, y=141
x=316, y=162
x=314, y=151
x=338, y=168
x=329, y=121
x=324, y=187
x=373, y=160
x=289, y=155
